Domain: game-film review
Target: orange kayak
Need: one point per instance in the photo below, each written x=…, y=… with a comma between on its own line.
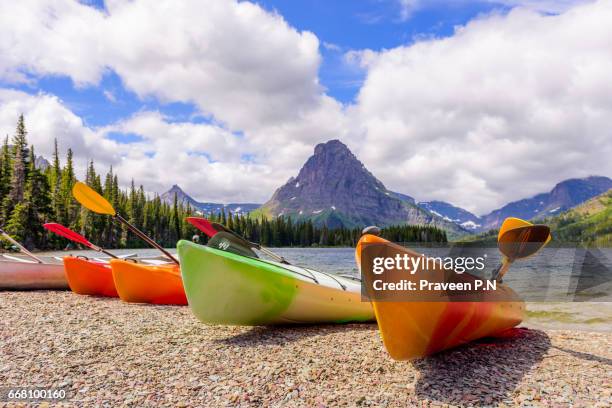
x=138, y=283
x=416, y=329
x=87, y=277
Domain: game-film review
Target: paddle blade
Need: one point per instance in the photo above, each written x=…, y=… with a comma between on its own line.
x=229, y=242
x=91, y=200
x=203, y=225
x=62, y=231
x=523, y=241
x=511, y=223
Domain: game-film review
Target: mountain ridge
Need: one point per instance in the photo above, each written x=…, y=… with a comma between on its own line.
x=206, y=207
x=563, y=196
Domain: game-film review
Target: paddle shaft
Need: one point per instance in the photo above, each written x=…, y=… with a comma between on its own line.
x=21, y=247
x=145, y=238
x=270, y=253
x=104, y=251
x=501, y=270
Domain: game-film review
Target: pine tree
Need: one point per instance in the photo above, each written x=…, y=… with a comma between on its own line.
x=69, y=210
x=16, y=224
x=55, y=179
x=175, y=223
x=6, y=169
x=20, y=168
x=37, y=202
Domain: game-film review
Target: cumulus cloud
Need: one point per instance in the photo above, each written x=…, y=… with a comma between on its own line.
x=47, y=118
x=236, y=61
x=504, y=108
x=208, y=161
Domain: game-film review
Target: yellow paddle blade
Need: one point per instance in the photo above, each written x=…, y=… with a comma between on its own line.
x=511, y=223
x=91, y=200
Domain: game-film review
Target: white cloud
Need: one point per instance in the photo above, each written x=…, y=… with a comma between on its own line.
x=506, y=107
x=244, y=65
x=47, y=118
x=206, y=160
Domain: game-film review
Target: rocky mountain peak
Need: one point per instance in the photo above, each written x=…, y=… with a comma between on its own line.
x=332, y=176
x=334, y=188
x=175, y=189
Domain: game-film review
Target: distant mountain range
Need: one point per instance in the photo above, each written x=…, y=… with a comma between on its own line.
x=206, y=208
x=565, y=195
x=334, y=188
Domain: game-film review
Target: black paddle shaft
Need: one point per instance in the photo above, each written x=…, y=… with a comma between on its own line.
x=145, y=238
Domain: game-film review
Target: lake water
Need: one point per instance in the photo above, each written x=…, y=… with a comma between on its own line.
x=554, y=274
x=548, y=281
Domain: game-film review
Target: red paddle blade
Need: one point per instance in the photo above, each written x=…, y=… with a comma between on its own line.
x=60, y=230
x=203, y=225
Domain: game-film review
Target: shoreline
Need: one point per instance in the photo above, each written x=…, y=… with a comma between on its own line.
x=107, y=351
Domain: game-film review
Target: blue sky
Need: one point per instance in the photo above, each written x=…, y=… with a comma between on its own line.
x=229, y=98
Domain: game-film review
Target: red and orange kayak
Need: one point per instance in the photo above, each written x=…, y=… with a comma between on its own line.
x=87, y=277
x=157, y=284
x=416, y=329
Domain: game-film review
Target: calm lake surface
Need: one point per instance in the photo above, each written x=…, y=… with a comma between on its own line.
x=566, y=288
x=554, y=274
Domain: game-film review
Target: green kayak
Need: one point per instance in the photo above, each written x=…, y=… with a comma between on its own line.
x=228, y=288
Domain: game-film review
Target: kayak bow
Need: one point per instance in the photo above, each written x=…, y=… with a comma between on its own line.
x=156, y=284
x=87, y=277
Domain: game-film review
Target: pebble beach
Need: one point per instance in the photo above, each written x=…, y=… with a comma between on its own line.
x=109, y=353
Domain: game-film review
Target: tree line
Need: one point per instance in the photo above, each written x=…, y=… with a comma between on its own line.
x=31, y=195
x=283, y=231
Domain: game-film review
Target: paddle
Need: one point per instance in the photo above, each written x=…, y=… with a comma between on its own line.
x=62, y=231
x=212, y=228
x=93, y=201
x=519, y=239
x=21, y=247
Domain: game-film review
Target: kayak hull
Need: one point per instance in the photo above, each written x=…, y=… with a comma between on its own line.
x=87, y=277
x=417, y=329
x=32, y=276
x=156, y=284
x=225, y=288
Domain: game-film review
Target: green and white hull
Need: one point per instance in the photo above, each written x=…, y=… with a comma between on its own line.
x=225, y=288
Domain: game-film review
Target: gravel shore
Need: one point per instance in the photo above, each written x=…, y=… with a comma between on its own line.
x=110, y=353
